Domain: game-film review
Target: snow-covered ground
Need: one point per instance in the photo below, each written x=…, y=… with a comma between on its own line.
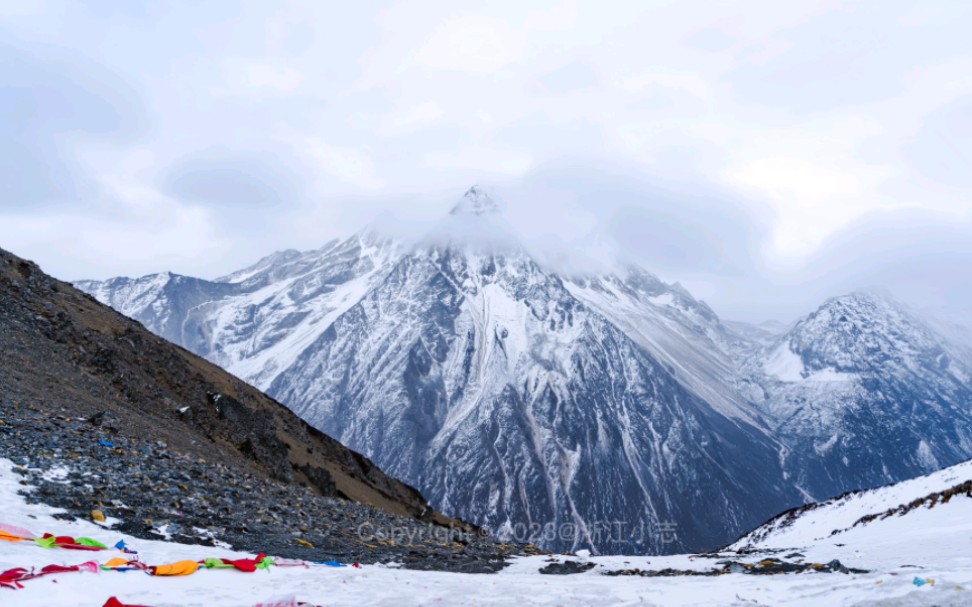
x=834, y=520
x=926, y=543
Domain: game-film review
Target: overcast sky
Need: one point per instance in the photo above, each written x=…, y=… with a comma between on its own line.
x=765, y=154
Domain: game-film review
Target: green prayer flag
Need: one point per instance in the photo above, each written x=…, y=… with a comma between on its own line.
x=87, y=541
x=45, y=542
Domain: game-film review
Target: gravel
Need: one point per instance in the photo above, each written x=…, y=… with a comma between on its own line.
x=82, y=465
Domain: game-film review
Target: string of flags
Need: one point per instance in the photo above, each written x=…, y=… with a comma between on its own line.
x=286, y=602
x=13, y=578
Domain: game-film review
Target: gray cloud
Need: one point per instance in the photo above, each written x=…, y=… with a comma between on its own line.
x=712, y=238
x=921, y=257
x=942, y=150
x=233, y=181
x=849, y=57
x=674, y=224
x=50, y=101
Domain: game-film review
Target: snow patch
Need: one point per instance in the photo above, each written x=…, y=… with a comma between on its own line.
x=926, y=457
x=787, y=366
x=57, y=475
x=841, y=513
x=830, y=376
x=665, y=299
x=784, y=364
x=825, y=447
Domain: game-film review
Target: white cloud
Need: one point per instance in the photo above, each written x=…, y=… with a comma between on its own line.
x=280, y=79
x=255, y=79
x=558, y=16
x=411, y=118
x=118, y=239
x=823, y=113
x=349, y=164
x=813, y=199
x=681, y=82
x=474, y=44
x=483, y=161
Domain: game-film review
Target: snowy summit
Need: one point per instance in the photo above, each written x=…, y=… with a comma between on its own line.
x=476, y=201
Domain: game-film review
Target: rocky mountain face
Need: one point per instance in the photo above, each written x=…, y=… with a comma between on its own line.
x=254, y=322
x=863, y=393
x=484, y=381
x=612, y=411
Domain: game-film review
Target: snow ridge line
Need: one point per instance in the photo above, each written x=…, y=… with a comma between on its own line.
x=929, y=501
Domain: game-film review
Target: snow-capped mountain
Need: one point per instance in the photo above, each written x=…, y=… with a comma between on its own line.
x=610, y=410
x=255, y=322
x=484, y=381
x=863, y=393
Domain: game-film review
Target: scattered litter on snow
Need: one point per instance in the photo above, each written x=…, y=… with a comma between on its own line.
x=936, y=539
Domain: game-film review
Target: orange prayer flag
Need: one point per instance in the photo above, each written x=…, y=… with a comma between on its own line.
x=179, y=568
x=9, y=537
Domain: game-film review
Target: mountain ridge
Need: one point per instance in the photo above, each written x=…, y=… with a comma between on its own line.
x=422, y=355
x=859, y=508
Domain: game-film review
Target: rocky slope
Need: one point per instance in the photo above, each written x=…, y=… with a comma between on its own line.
x=152, y=431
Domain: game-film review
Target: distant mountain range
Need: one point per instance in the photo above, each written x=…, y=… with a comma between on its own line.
x=611, y=410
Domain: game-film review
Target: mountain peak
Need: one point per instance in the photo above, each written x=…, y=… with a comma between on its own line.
x=865, y=303
x=476, y=201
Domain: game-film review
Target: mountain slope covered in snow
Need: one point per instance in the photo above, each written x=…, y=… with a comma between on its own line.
x=481, y=379
x=943, y=499
x=572, y=410
x=864, y=393
x=256, y=321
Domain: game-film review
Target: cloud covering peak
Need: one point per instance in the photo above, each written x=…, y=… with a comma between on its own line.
x=764, y=154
